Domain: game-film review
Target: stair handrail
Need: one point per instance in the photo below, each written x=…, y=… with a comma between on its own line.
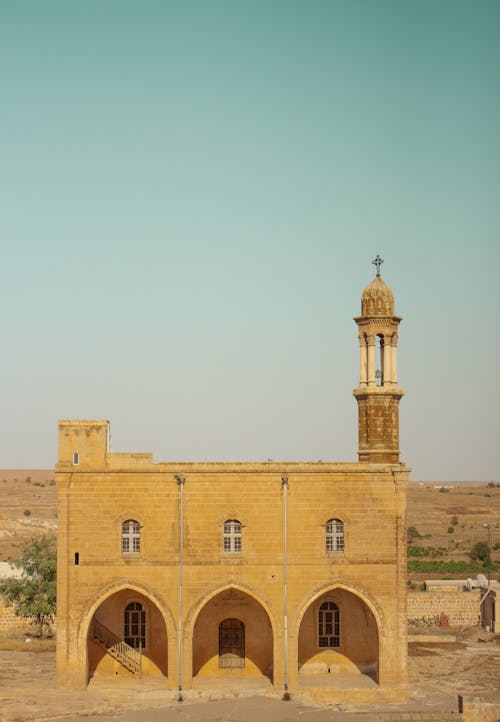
x=117, y=647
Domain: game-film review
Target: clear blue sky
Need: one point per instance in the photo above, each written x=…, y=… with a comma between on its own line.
x=191, y=196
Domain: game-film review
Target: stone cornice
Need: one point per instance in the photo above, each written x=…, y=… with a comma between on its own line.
x=378, y=320
x=394, y=391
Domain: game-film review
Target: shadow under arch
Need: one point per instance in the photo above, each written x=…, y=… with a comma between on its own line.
x=234, y=602
x=343, y=638
x=108, y=607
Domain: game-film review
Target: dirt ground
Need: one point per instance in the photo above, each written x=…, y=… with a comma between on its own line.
x=438, y=673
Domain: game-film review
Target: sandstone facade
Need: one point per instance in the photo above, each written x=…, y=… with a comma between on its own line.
x=294, y=573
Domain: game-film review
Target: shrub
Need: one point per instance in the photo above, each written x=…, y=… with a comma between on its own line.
x=414, y=551
x=451, y=529
x=27, y=512
x=424, y=565
x=412, y=533
x=480, y=552
x=454, y=520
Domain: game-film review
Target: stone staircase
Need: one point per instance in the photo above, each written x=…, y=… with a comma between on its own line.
x=126, y=655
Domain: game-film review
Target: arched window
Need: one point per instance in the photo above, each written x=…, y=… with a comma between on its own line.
x=232, y=535
x=328, y=625
x=334, y=535
x=134, y=625
x=131, y=536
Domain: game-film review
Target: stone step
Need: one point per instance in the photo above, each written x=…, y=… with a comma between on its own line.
x=419, y=716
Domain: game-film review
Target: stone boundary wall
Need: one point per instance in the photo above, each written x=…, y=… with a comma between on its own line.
x=483, y=709
x=459, y=607
x=8, y=620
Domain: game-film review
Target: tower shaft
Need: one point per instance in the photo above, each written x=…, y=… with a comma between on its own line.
x=378, y=394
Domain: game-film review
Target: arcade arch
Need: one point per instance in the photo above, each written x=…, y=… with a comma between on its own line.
x=233, y=633
x=131, y=616
x=338, y=635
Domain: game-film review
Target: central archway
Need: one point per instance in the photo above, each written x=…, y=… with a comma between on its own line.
x=233, y=634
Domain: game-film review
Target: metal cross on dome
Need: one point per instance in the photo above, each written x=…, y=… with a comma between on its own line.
x=378, y=262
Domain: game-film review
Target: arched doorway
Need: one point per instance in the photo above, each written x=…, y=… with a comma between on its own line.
x=338, y=638
x=127, y=638
x=233, y=635
x=231, y=644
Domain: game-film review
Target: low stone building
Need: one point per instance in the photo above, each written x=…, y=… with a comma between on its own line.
x=292, y=574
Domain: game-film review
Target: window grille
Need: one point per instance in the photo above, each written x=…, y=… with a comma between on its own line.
x=134, y=625
x=231, y=644
x=334, y=535
x=328, y=625
x=131, y=536
x=232, y=536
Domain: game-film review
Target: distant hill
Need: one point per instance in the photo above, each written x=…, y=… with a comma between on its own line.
x=27, y=506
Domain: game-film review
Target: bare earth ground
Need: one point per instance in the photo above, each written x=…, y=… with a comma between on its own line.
x=438, y=673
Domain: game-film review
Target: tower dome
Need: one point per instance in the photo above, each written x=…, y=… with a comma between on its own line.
x=377, y=299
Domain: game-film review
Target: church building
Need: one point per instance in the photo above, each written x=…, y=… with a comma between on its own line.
x=284, y=577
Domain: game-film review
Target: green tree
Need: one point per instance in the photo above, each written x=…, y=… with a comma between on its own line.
x=480, y=552
x=33, y=594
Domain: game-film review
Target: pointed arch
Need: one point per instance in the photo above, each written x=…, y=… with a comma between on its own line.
x=196, y=608
x=338, y=627
x=119, y=586
x=330, y=587
x=250, y=643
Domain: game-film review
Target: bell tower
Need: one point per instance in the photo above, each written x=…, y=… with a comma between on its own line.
x=378, y=393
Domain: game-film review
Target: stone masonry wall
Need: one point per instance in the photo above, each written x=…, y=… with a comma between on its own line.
x=459, y=607
x=481, y=710
x=8, y=620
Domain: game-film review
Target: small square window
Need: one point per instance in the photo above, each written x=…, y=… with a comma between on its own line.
x=76, y=458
